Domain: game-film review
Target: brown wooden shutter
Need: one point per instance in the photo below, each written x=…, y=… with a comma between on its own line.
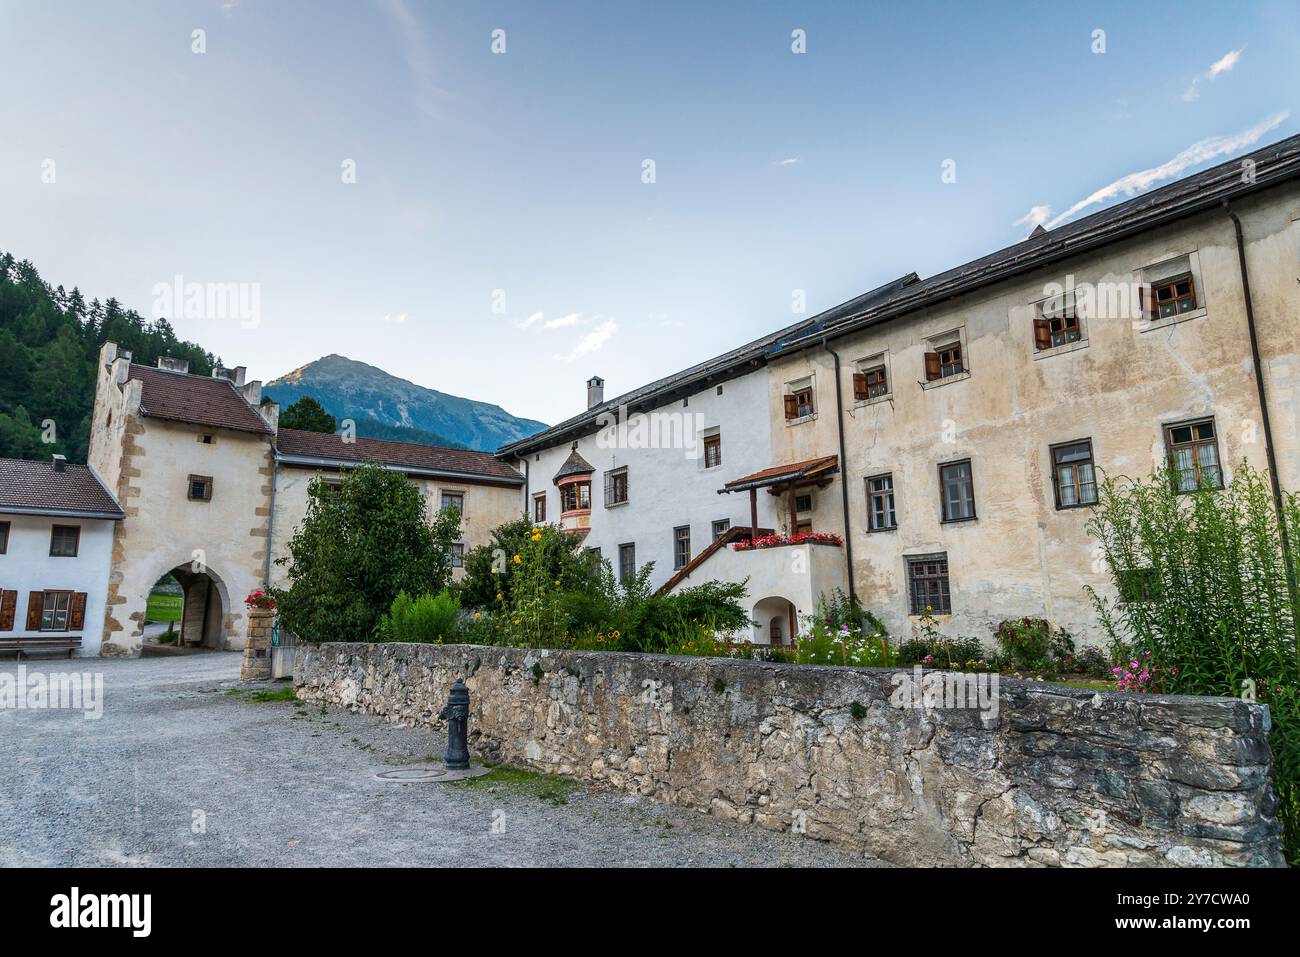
x=1042, y=334
x=77, y=611
x=8, y=605
x=931, y=366
x=35, y=606
x=859, y=385
x=791, y=407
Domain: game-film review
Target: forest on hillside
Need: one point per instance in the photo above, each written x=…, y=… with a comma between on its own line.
x=49, y=344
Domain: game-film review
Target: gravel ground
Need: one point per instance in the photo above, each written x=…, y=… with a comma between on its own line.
x=277, y=783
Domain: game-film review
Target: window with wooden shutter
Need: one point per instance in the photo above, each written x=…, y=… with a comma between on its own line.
x=791, y=407
x=932, y=367
x=35, y=606
x=1042, y=334
x=55, y=606
x=859, y=386
x=77, y=611
x=8, y=608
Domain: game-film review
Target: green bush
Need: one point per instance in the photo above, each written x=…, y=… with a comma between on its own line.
x=1203, y=587
x=951, y=654
x=428, y=618
x=490, y=569
x=1026, y=643
x=360, y=546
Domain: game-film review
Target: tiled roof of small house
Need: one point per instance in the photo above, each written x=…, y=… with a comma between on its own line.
x=295, y=446
x=38, y=488
x=797, y=471
x=575, y=464
x=197, y=400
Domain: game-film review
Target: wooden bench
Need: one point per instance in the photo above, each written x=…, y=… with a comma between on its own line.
x=25, y=645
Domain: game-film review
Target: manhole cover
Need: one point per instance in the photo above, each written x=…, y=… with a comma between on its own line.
x=428, y=773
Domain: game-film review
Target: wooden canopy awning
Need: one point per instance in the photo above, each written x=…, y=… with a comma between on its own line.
x=813, y=470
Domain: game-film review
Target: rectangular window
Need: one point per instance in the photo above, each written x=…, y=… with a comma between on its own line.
x=1076, y=481
x=54, y=610
x=615, y=487
x=454, y=500
x=958, y=491
x=720, y=526
x=627, y=562
x=200, y=488
x=1171, y=297
x=880, y=503
x=870, y=383
x=681, y=546
x=457, y=554
x=712, y=451
x=927, y=585
x=803, y=503
x=799, y=403
x=64, y=541
x=944, y=361
x=1194, y=455
x=4, y=537
x=539, y=507
x=1058, y=326
x=575, y=496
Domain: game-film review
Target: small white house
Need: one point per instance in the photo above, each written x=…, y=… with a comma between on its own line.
x=56, y=545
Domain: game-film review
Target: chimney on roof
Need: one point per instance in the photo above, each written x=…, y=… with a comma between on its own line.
x=60, y=462
x=168, y=364
x=235, y=375
x=595, y=391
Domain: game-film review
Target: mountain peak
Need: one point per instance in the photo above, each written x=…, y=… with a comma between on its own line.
x=349, y=388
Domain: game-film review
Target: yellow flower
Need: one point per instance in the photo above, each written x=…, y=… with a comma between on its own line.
x=516, y=621
x=477, y=616
x=537, y=536
x=557, y=583
x=500, y=597
x=518, y=560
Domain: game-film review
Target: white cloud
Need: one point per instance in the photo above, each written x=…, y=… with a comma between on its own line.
x=593, y=341
x=1037, y=216
x=531, y=320
x=1222, y=65
x=397, y=317
x=1134, y=183
x=572, y=319
x=789, y=161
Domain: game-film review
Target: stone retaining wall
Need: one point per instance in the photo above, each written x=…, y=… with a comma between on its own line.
x=1059, y=777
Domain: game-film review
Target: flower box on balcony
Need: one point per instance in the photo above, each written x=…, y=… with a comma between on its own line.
x=780, y=541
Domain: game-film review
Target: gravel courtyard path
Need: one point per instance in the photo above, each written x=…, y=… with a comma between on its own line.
x=181, y=771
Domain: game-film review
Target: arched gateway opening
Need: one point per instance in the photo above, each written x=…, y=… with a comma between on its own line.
x=186, y=609
x=774, y=622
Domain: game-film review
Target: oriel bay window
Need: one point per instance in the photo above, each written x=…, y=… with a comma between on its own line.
x=575, y=496
x=1074, y=477
x=957, y=491
x=1194, y=455
x=880, y=503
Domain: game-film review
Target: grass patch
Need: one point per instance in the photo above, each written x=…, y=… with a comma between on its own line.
x=552, y=789
x=279, y=694
x=163, y=608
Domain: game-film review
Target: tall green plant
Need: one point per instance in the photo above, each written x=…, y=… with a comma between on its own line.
x=359, y=547
x=1202, y=586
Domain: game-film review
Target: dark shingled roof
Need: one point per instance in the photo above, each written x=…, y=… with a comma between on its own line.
x=326, y=448
x=1193, y=194
x=575, y=464
x=196, y=399
x=35, y=488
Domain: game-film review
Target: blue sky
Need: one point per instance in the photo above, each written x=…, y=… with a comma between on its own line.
x=499, y=242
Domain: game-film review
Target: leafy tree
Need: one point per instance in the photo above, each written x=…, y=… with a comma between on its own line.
x=359, y=547
x=308, y=415
x=49, y=346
